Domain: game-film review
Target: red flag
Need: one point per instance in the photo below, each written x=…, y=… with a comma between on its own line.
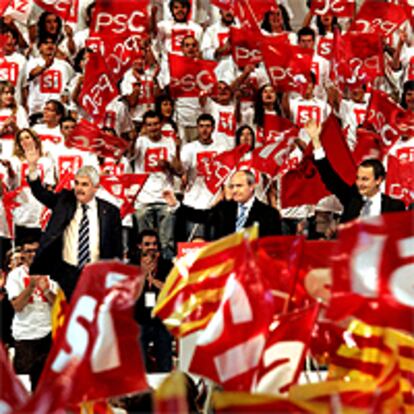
x=229, y=350
x=3, y=6
x=9, y=204
x=302, y=185
x=125, y=187
x=373, y=270
x=288, y=66
x=224, y=4
x=338, y=8
x=98, y=88
x=369, y=145
x=337, y=150
x=271, y=157
x=285, y=350
x=378, y=17
x=101, y=335
x=245, y=46
x=66, y=9
x=400, y=176
x=190, y=76
x=275, y=128
x=405, y=123
x=219, y=167
x=89, y=137
x=12, y=393
x=357, y=57
x=251, y=12
x=382, y=116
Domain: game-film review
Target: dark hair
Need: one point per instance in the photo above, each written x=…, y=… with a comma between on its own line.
x=285, y=16
x=5, y=28
x=239, y=132
x=89, y=11
x=184, y=3
x=41, y=27
x=206, y=117
x=66, y=118
x=408, y=86
x=321, y=28
x=376, y=165
x=59, y=108
x=148, y=233
x=158, y=102
x=79, y=57
x=150, y=114
x=44, y=39
x=259, y=108
x=306, y=31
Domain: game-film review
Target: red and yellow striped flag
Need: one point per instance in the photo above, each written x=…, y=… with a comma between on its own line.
x=194, y=287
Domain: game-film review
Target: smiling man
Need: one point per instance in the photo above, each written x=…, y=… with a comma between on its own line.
x=82, y=229
x=362, y=199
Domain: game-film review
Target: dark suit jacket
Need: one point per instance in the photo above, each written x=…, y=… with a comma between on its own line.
x=224, y=214
x=349, y=196
x=63, y=206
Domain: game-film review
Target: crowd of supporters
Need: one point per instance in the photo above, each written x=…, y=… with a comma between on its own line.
x=42, y=71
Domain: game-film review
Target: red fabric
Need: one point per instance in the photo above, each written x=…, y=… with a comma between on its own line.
x=9, y=204
x=101, y=335
x=286, y=347
x=221, y=166
x=190, y=76
x=368, y=146
x=89, y=137
x=337, y=150
x=274, y=127
x=378, y=17
x=400, y=178
x=3, y=6
x=251, y=12
x=245, y=46
x=12, y=392
x=288, y=66
x=125, y=187
x=372, y=271
x=228, y=350
x=98, y=87
x=383, y=116
x=339, y=8
x=66, y=9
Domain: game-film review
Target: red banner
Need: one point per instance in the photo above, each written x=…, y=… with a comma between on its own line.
x=338, y=8
x=288, y=66
x=373, y=269
x=3, y=6
x=190, y=76
x=89, y=137
x=400, y=176
x=378, y=17
x=125, y=187
x=382, y=116
x=66, y=9
x=368, y=145
x=98, y=87
x=100, y=335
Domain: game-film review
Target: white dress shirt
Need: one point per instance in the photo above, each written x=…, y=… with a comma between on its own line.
x=71, y=234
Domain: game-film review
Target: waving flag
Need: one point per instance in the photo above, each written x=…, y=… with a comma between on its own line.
x=67, y=10
x=338, y=8
x=100, y=335
x=399, y=182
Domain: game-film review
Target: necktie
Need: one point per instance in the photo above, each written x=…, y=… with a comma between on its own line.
x=83, y=240
x=366, y=208
x=241, y=218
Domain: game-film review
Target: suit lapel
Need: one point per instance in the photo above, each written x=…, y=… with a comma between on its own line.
x=252, y=214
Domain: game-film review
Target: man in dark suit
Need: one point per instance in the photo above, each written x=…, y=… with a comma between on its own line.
x=244, y=209
x=82, y=229
x=363, y=198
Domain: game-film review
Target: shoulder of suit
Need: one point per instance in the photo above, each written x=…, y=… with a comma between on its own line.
x=106, y=204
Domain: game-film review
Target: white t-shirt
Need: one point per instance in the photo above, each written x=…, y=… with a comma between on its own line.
x=117, y=117
x=13, y=69
x=148, y=153
x=146, y=100
x=214, y=37
x=34, y=320
x=302, y=110
x=7, y=182
x=50, y=137
x=48, y=85
x=225, y=122
x=7, y=140
x=193, y=157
